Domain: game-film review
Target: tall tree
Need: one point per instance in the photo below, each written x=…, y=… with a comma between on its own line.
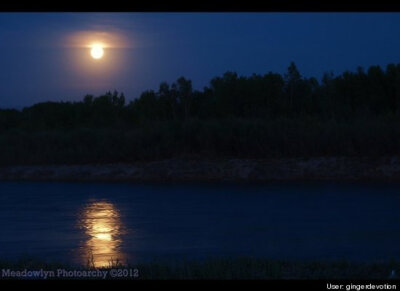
x=293, y=79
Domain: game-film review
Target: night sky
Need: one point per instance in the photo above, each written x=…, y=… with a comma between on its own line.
x=44, y=57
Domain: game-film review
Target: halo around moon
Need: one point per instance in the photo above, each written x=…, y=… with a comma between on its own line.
x=97, y=57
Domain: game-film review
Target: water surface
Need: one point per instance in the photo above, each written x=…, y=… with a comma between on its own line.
x=99, y=222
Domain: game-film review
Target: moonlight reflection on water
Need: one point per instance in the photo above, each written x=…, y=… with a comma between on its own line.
x=102, y=224
x=138, y=223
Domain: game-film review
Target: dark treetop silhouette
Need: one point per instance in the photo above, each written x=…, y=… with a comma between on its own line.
x=261, y=116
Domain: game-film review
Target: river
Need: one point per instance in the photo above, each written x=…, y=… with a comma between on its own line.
x=79, y=223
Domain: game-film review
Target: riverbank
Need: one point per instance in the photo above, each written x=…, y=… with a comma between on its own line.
x=217, y=268
x=236, y=170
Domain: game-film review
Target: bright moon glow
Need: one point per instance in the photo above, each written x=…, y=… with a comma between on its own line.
x=97, y=51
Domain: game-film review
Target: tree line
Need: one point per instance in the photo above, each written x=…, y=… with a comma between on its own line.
x=258, y=116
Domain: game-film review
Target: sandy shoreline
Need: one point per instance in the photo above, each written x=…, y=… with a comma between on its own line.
x=243, y=170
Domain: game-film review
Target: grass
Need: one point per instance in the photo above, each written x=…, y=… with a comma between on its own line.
x=229, y=269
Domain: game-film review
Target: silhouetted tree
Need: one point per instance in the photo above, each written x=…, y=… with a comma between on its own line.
x=292, y=79
x=354, y=113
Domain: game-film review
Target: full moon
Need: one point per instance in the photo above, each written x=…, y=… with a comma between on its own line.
x=97, y=51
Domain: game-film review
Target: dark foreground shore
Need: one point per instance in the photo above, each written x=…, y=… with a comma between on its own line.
x=216, y=268
x=236, y=170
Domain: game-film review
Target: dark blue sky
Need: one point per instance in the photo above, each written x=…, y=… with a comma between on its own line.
x=41, y=59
